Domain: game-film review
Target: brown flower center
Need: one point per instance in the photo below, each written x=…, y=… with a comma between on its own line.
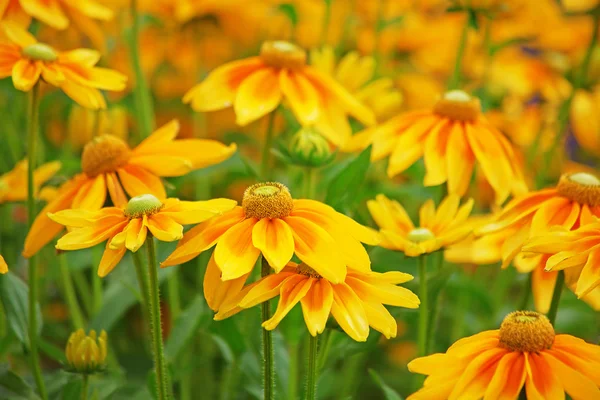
x=526, y=331
x=282, y=54
x=145, y=204
x=104, y=154
x=580, y=187
x=308, y=271
x=40, y=52
x=458, y=105
x=267, y=200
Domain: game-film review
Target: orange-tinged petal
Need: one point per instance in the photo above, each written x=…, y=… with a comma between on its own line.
x=380, y=319
x=316, y=306
x=25, y=74
x=92, y=194
x=3, y=265
x=87, y=97
x=292, y=290
x=82, y=238
x=460, y=161
x=138, y=181
x=117, y=195
x=590, y=275
x=542, y=285
x=217, y=291
x=409, y=147
x=275, y=239
x=109, y=260
x=577, y=385
x=581, y=363
x=265, y=289
x=193, y=212
x=349, y=313
x=508, y=379
x=301, y=94
x=135, y=233
x=434, y=154
x=235, y=254
x=476, y=378
x=257, y=96
x=542, y=382
x=17, y=34
x=333, y=123
x=383, y=293
x=164, y=228
x=49, y=12
x=52, y=74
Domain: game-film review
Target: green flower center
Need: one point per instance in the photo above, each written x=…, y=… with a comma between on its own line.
x=145, y=204
x=40, y=52
x=419, y=235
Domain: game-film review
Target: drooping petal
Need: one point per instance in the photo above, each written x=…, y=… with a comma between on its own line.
x=275, y=239
x=590, y=275
x=577, y=385
x=478, y=375
x=194, y=212
x=164, y=228
x=380, y=319
x=136, y=233
x=92, y=194
x=265, y=289
x=291, y=291
x=434, y=154
x=25, y=74
x=460, y=161
x=117, y=195
x=349, y=313
x=16, y=33
x=138, y=181
x=49, y=12
x=82, y=238
x=316, y=306
x=508, y=379
x=303, y=97
x=257, y=96
x=542, y=382
x=235, y=254
x=109, y=260
x=216, y=291
x=3, y=265
x=409, y=147
x=383, y=293
x=542, y=285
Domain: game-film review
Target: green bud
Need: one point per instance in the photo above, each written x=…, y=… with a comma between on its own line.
x=309, y=148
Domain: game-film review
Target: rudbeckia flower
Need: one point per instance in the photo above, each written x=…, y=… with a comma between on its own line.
x=571, y=204
x=109, y=164
x=452, y=137
x=255, y=86
x=584, y=119
x=3, y=266
x=356, y=302
x=357, y=74
x=73, y=72
x=496, y=364
x=13, y=184
x=58, y=13
x=438, y=228
x=126, y=228
x=271, y=223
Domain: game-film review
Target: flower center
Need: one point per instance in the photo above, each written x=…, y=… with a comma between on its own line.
x=458, y=105
x=104, y=154
x=145, y=204
x=526, y=331
x=419, y=235
x=282, y=54
x=580, y=187
x=267, y=200
x=40, y=52
x=307, y=271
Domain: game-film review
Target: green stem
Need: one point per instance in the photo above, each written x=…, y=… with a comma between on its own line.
x=326, y=20
x=142, y=278
x=174, y=297
x=558, y=289
x=267, y=342
x=454, y=82
x=325, y=346
x=96, y=280
x=309, y=182
x=311, y=381
x=423, y=308
x=141, y=92
x=84, y=388
x=527, y=293
x=32, y=132
x=156, y=322
x=293, y=375
x=70, y=296
x=266, y=153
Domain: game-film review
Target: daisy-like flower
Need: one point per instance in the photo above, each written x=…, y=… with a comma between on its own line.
x=356, y=302
x=452, y=137
x=496, y=364
x=255, y=86
x=438, y=228
x=571, y=204
x=58, y=13
x=13, y=184
x=271, y=223
x=109, y=164
x=3, y=265
x=126, y=228
x=74, y=71
x=357, y=74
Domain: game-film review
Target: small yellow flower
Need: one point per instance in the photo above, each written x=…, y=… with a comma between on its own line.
x=86, y=354
x=13, y=184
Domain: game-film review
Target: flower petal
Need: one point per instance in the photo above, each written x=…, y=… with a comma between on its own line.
x=235, y=254
x=275, y=239
x=303, y=97
x=109, y=260
x=138, y=181
x=257, y=96
x=316, y=306
x=25, y=74
x=291, y=291
x=348, y=311
x=164, y=228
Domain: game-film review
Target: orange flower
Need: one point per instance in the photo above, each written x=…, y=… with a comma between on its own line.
x=257, y=85
x=126, y=228
x=496, y=364
x=271, y=223
x=13, y=184
x=26, y=61
x=3, y=266
x=109, y=164
x=451, y=137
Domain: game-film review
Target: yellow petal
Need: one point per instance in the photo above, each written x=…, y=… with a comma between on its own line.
x=274, y=238
x=316, y=306
x=257, y=96
x=349, y=313
x=136, y=233
x=110, y=259
x=235, y=254
x=25, y=74
x=303, y=97
x=164, y=228
x=292, y=290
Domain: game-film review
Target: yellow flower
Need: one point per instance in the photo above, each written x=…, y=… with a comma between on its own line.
x=11, y=10
x=585, y=120
x=357, y=75
x=255, y=86
x=86, y=354
x=496, y=364
x=126, y=228
x=451, y=138
x=109, y=164
x=73, y=72
x=3, y=265
x=356, y=302
x=437, y=229
x=271, y=223
x=83, y=124
x=58, y=13
x=574, y=6
x=13, y=184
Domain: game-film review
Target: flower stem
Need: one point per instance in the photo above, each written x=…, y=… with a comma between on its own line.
x=141, y=92
x=527, y=293
x=266, y=153
x=311, y=381
x=454, y=82
x=156, y=322
x=70, y=296
x=424, y=307
x=293, y=351
x=558, y=289
x=84, y=388
x=32, y=132
x=325, y=345
x=267, y=339
x=142, y=280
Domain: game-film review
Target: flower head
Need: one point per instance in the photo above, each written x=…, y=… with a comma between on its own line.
x=86, y=354
x=525, y=351
x=110, y=165
x=356, y=303
x=270, y=222
x=255, y=86
x=126, y=228
x=437, y=229
x=74, y=71
x=452, y=137
x=13, y=184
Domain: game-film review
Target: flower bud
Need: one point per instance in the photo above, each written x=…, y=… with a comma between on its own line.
x=86, y=354
x=309, y=148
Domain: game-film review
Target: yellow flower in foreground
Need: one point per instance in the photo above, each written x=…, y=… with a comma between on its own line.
x=496, y=364
x=356, y=303
x=437, y=229
x=73, y=72
x=271, y=223
x=13, y=184
x=451, y=137
x=3, y=265
x=356, y=73
x=86, y=354
x=255, y=86
x=126, y=228
x=109, y=164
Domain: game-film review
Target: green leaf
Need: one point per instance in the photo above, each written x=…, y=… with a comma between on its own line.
x=52, y=351
x=345, y=185
x=290, y=11
x=184, y=328
x=388, y=392
x=14, y=295
x=13, y=386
